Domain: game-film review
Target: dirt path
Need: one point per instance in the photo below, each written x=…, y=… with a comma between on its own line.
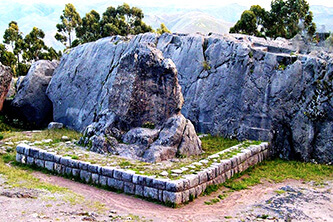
x=245, y=205
x=236, y=204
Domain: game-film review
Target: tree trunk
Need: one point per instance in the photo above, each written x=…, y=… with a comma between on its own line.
x=69, y=39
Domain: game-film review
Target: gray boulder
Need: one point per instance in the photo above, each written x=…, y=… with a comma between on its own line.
x=5, y=80
x=12, y=89
x=176, y=138
x=31, y=102
x=138, y=87
x=18, y=82
x=55, y=125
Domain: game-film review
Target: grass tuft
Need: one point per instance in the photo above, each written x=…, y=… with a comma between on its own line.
x=213, y=144
x=279, y=170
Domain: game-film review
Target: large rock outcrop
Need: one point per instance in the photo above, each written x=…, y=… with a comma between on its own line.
x=5, y=80
x=118, y=97
x=31, y=103
x=233, y=85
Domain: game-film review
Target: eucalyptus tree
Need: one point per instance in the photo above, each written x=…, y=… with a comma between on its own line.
x=70, y=20
x=14, y=37
x=285, y=19
x=90, y=29
x=163, y=29
x=34, y=45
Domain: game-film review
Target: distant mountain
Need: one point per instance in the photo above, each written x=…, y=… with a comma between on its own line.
x=183, y=20
x=323, y=16
x=190, y=22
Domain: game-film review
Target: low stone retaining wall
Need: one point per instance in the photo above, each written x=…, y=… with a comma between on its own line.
x=168, y=191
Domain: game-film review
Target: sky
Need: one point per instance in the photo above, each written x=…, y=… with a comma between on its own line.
x=182, y=3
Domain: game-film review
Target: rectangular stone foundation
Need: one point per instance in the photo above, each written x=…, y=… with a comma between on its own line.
x=170, y=192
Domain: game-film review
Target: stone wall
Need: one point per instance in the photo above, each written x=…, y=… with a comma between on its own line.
x=168, y=191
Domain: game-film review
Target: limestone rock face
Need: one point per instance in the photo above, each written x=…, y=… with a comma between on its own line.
x=114, y=97
x=251, y=88
x=233, y=85
x=31, y=102
x=5, y=80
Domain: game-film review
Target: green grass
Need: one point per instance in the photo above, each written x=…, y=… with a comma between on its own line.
x=212, y=201
x=21, y=177
x=55, y=135
x=5, y=127
x=211, y=189
x=279, y=191
x=222, y=196
x=213, y=144
x=279, y=170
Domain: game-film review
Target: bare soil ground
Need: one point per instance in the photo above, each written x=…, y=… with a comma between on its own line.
x=288, y=201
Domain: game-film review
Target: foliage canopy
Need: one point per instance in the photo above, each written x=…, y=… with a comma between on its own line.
x=285, y=19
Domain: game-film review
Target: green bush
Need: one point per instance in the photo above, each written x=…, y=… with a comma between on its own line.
x=148, y=125
x=206, y=66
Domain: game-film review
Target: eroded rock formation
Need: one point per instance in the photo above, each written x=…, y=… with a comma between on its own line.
x=233, y=85
x=136, y=88
x=5, y=80
x=31, y=103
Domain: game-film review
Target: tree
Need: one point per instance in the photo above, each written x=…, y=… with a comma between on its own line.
x=34, y=45
x=70, y=20
x=7, y=58
x=14, y=38
x=109, y=22
x=163, y=29
x=50, y=54
x=247, y=24
x=90, y=29
x=285, y=19
x=123, y=20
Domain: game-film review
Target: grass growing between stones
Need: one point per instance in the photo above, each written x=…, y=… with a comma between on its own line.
x=279, y=170
x=213, y=144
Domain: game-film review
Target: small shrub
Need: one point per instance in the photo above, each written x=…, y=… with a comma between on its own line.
x=74, y=157
x=206, y=66
x=251, y=54
x=264, y=216
x=282, y=67
x=148, y=125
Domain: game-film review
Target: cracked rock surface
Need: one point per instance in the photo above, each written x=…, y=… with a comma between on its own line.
x=233, y=85
x=5, y=80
